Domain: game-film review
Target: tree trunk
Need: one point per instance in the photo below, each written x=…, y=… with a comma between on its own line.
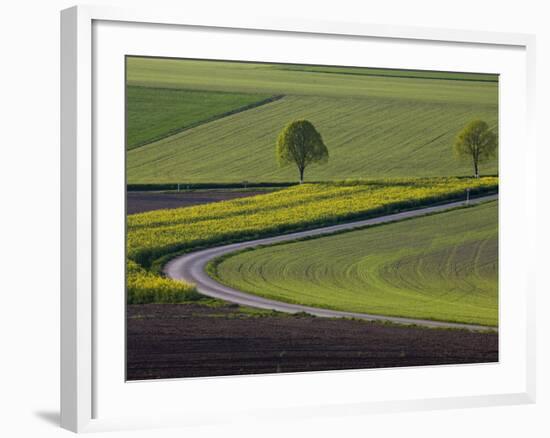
x=476, y=171
x=301, y=175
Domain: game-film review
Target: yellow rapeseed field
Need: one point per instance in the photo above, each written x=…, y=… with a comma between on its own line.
x=154, y=237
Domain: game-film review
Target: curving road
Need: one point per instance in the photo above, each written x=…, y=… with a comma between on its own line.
x=191, y=268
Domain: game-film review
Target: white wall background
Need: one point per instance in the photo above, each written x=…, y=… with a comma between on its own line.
x=29, y=215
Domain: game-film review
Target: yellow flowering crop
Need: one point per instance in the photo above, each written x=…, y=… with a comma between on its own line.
x=152, y=236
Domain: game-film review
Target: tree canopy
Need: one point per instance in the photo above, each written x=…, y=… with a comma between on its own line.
x=301, y=144
x=476, y=142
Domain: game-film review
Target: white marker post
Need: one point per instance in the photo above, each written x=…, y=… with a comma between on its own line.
x=467, y=196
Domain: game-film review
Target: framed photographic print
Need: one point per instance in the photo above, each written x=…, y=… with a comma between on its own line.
x=257, y=208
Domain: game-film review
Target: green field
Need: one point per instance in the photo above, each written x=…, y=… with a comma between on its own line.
x=441, y=267
x=154, y=113
x=297, y=80
x=376, y=123
x=365, y=137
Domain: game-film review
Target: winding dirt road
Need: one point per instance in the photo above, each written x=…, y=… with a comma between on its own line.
x=191, y=268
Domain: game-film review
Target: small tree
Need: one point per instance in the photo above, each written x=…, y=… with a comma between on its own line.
x=300, y=143
x=476, y=142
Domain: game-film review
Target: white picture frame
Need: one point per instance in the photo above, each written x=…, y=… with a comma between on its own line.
x=83, y=188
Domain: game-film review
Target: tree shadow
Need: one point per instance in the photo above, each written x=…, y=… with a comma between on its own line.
x=51, y=417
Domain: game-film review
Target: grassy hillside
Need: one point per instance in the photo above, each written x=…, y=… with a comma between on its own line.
x=365, y=137
x=154, y=113
x=440, y=267
x=376, y=123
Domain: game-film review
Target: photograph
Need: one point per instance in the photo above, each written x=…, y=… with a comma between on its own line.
x=288, y=218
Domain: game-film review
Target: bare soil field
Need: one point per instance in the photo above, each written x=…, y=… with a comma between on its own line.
x=139, y=202
x=192, y=340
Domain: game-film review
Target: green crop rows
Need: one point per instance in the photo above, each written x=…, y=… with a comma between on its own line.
x=365, y=138
x=440, y=267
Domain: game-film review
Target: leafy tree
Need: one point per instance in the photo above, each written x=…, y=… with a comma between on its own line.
x=301, y=144
x=476, y=142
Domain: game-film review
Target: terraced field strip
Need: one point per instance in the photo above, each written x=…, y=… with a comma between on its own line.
x=297, y=80
x=155, y=113
x=388, y=72
x=366, y=138
x=191, y=268
x=440, y=267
